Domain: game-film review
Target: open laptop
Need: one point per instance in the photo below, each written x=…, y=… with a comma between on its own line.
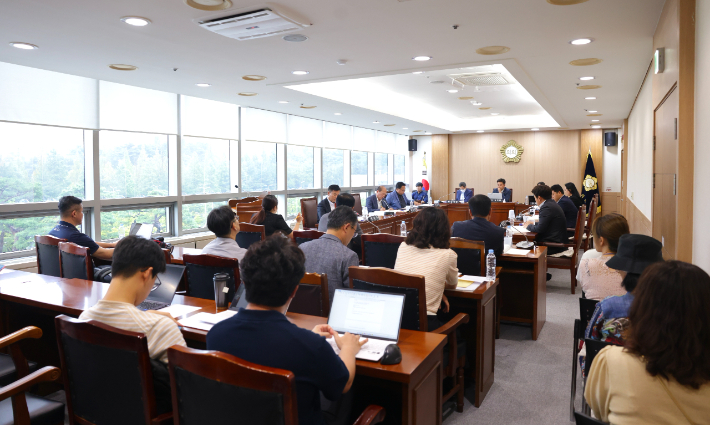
x=240, y=299
x=373, y=315
x=163, y=291
x=143, y=230
x=496, y=197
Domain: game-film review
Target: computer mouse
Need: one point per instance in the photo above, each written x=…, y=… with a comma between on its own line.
x=392, y=355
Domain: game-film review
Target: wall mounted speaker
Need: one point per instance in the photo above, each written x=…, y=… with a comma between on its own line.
x=413, y=145
x=610, y=139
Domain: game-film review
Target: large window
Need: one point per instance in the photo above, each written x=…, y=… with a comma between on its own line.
x=194, y=216
x=39, y=163
x=300, y=167
x=133, y=165
x=334, y=167
x=381, y=169
x=258, y=166
x=358, y=169
x=18, y=234
x=117, y=224
x=398, y=168
x=205, y=166
x=293, y=205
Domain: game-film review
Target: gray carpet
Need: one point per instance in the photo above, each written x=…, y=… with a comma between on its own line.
x=532, y=378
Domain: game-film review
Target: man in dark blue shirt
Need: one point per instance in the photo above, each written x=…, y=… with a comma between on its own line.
x=566, y=204
x=480, y=229
x=506, y=193
x=420, y=195
x=71, y=214
x=261, y=333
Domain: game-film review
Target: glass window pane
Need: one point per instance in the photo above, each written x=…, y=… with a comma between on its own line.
x=205, y=166
x=381, y=169
x=194, y=216
x=258, y=166
x=358, y=169
x=333, y=167
x=39, y=164
x=293, y=205
x=133, y=165
x=399, y=168
x=116, y=224
x=18, y=234
x=300, y=167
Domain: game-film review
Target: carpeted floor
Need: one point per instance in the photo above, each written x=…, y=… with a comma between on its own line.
x=532, y=378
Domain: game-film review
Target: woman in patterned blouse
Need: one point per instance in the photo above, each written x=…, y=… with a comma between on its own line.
x=596, y=279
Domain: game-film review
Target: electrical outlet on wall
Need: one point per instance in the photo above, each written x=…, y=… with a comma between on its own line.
x=632, y=195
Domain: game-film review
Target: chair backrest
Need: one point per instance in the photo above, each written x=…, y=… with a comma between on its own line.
x=75, y=262
x=47, y=250
x=582, y=419
x=591, y=215
x=245, y=210
x=249, y=233
x=358, y=203
x=168, y=255
x=593, y=348
x=309, y=211
x=107, y=373
x=302, y=236
x=586, y=309
x=385, y=280
x=312, y=297
x=233, y=202
x=471, y=256
x=380, y=249
x=511, y=195
x=216, y=388
x=201, y=269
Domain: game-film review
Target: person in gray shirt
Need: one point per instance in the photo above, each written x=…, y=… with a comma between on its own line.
x=224, y=224
x=329, y=254
x=349, y=201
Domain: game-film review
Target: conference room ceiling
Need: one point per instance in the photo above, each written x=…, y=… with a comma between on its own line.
x=376, y=38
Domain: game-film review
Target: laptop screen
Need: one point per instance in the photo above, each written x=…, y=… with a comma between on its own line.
x=166, y=284
x=369, y=314
x=495, y=195
x=145, y=231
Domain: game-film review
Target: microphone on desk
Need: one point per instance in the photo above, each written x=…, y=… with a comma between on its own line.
x=447, y=195
x=525, y=212
x=371, y=221
x=523, y=245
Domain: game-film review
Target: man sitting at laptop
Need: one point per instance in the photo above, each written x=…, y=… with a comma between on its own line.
x=224, y=224
x=271, y=271
x=136, y=263
x=71, y=214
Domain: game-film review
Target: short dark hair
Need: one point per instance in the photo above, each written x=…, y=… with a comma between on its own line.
x=271, y=269
x=341, y=216
x=399, y=185
x=462, y=184
x=345, y=199
x=67, y=204
x=220, y=220
x=430, y=228
x=333, y=187
x=133, y=254
x=542, y=191
x=671, y=322
x=630, y=281
x=541, y=184
x=500, y=181
x=419, y=184
x=480, y=205
x=557, y=188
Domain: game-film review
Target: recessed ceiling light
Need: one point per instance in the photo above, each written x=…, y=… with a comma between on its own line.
x=592, y=112
x=590, y=98
x=418, y=72
x=479, y=131
x=122, y=67
x=495, y=113
x=405, y=128
x=586, y=78
x=485, y=108
x=253, y=77
x=295, y=38
x=136, y=21
x=306, y=107
x=389, y=125
x=596, y=126
x=475, y=103
x=247, y=94
x=375, y=122
x=428, y=133
x=595, y=120
x=581, y=41
x=452, y=91
x=585, y=62
x=422, y=58
x=589, y=87
x=202, y=85
x=283, y=101
x=535, y=129
x=23, y=46
x=338, y=113
x=209, y=4
x=299, y=72
x=493, y=50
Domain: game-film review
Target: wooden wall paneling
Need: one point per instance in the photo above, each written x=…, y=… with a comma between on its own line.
x=610, y=202
x=440, y=165
x=518, y=176
x=667, y=36
x=638, y=222
x=469, y=160
x=554, y=157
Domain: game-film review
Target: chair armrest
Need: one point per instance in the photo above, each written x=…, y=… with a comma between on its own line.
x=372, y=414
x=47, y=373
x=558, y=245
x=571, y=229
x=451, y=326
x=28, y=332
x=164, y=419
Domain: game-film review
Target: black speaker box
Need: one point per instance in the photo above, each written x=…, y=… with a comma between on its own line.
x=413, y=145
x=610, y=139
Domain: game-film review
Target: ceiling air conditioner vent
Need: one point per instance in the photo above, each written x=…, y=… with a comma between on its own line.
x=259, y=23
x=481, y=79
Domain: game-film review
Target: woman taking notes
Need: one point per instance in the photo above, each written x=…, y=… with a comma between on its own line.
x=271, y=220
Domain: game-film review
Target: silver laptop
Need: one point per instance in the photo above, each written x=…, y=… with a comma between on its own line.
x=373, y=315
x=496, y=197
x=142, y=230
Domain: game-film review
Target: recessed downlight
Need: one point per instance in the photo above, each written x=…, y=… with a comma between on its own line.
x=581, y=41
x=283, y=101
x=479, y=131
x=595, y=120
x=485, y=108
x=306, y=107
x=23, y=46
x=592, y=112
x=452, y=91
x=586, y=78
x=247, y=94
x=585, y=62
x=338, y=113
x=253, y=77
x=590, y=98
x=375, y=122
x=299, y=72
x=122, y=67
x=203, y=85
x=422, y=58
x=596, y=126
x=465, y=97
x=405, y=128
x=493, y=50
x=495, y=113
x=294, y=38
x=535, y=129
x=209, y=4
x=135, y=21
x=589, y=87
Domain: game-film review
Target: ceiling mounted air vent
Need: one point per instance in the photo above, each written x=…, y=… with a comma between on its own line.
x=264, y=22
x=481, y=79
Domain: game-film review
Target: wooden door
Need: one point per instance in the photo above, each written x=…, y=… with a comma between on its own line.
x=665, y=168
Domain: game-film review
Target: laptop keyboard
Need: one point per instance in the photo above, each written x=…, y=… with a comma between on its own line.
x=373, y=350
x=151, y=305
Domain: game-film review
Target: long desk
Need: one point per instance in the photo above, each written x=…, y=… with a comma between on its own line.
x=412, y=388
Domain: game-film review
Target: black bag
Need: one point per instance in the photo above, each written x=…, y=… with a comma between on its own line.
x=102, y=274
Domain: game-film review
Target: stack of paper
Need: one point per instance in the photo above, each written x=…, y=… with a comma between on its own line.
x=177, y=310
x=470, y=283
x=521, y=229
x=205, y=321
x=518, y=252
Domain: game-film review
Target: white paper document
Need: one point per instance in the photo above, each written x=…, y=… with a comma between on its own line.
x=521, y=229
x=205, y=321
x=475, y=282
x=177, y=310
x=518, y=252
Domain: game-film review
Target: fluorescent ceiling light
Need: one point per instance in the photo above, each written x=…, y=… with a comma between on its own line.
x=479, y=131
x=592, y=112
x=202, y=85
x=595, y=120
x=535, y=129
x=452, y=91
x=23, y=46
x=421, y=58
x=581, y=41
x=136, y=21
x=590, y=98
x=596, y=126
x=338, y=113
x=586, y=78
x=418, y=72
x=283, y=101
x=428, y=133
x=299, y=72
x=405, y=128
x=495, y=113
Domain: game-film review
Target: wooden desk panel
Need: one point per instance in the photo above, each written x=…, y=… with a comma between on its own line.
x=499, y=211
x=389, y=225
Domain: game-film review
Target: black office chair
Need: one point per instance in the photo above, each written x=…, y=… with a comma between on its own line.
x=201, y=269
x=303, y=236
x=75, y=262
x=47, y=250
x=380, y=250
x=249, y=234
x=471, y=256
x=312, y=296
x=586, y=309
x=593, y=348
x=582, y=419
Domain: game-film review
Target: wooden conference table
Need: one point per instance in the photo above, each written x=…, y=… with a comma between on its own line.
x=413, y=387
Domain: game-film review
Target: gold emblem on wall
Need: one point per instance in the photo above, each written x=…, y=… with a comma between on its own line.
x=511, y=151
x=590, y=182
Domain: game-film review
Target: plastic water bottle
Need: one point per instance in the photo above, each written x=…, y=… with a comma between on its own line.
x=403, y=228
x=491, y=265
x=365, y=212
x=508, y=241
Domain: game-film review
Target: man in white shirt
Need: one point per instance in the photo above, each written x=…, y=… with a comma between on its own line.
x=224, y=224
x=328, y=203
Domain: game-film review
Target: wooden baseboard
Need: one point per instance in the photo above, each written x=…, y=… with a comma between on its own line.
x=638, y=222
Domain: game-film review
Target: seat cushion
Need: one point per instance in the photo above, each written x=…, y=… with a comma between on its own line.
x=7, y=370
x=42, y=411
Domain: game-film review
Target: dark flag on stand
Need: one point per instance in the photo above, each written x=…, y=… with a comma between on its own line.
x=590, y=186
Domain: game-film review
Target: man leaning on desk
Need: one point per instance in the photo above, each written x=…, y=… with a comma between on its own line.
x=506, y=193
x=377, y=201
x=398, y=199
x=71, y=214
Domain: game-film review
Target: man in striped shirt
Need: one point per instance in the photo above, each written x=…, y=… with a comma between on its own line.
x=136, y=263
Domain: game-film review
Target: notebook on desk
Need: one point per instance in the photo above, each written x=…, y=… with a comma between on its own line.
x=373, y=315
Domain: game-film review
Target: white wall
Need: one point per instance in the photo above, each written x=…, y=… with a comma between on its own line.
x=640, y=154
x=611, y=174
x=701, y=199
x=414, y=174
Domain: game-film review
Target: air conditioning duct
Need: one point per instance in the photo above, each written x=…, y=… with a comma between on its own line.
x=482, y=79
x=265, y=21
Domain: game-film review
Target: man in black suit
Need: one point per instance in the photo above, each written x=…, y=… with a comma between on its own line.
x=328, y=203
x=566, y=204
x=480, y=229
x=552, y=225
